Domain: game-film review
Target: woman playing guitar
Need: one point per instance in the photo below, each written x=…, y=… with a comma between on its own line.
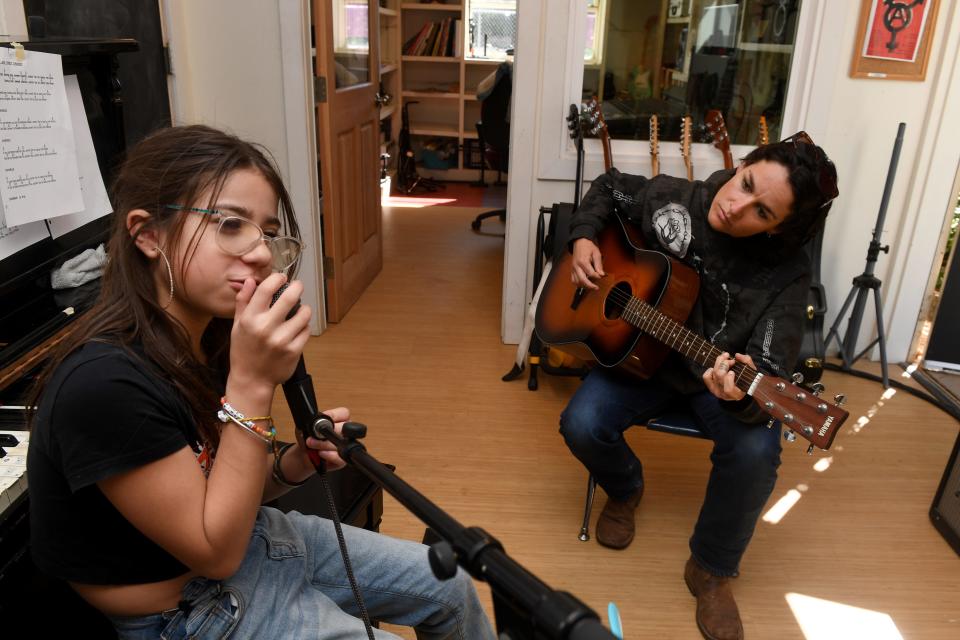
x=741, y=230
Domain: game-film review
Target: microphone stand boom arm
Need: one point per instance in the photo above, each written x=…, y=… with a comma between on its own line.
x=534, y=608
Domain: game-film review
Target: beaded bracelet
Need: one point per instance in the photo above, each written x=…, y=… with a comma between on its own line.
x=228, y=414
x=277, y=474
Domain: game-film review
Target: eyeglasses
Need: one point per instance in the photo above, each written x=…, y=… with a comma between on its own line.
x=825, y=179
x=237, y=236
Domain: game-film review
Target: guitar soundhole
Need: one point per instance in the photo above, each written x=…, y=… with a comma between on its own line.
x=617, y=300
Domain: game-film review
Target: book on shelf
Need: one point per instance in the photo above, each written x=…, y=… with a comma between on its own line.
x=436, y=39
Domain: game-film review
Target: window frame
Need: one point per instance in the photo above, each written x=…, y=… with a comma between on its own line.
x=340, y=6
x=557, y=153
x=599, y=33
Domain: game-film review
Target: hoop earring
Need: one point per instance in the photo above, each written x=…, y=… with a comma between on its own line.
x=169, y=275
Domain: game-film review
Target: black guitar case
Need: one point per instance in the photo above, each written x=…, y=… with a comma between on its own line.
x=812, y=348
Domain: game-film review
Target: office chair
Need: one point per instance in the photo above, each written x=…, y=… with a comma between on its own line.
x=493, y=131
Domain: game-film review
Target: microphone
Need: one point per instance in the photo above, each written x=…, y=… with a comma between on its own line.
x=301, y=399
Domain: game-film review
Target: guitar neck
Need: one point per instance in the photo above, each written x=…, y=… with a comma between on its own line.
x=667, y=331
x=655, y=164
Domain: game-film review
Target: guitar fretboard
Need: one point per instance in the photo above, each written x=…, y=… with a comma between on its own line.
x=640, y=314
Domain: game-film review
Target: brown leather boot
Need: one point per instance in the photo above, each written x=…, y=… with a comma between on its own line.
x=615, y=527
x=717, y=614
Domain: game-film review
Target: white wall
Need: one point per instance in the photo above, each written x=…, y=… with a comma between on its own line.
x=242, y=66
x=13, y=21
x=854, y=119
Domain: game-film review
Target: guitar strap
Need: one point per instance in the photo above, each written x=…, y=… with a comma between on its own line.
x=812, y=351
x=528, y=321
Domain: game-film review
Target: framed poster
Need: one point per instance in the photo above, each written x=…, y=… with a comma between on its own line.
x=894, y=38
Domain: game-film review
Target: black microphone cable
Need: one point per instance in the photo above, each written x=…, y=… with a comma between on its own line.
x=302, y=400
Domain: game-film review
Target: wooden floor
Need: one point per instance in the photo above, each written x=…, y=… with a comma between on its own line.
x=419, y=360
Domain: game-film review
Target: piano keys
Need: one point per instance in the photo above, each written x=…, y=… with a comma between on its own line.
x=13, y=471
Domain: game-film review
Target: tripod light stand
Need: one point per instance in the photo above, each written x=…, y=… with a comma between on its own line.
x=866, y=282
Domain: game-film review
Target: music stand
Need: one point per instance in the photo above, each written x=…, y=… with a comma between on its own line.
x=866, y=282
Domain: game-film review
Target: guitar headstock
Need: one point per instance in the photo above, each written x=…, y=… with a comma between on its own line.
x=764, y=137
x=654, y=135
x=591, y=118
x=573, y=124
x=801, y=410
x=685, y=139
x=654, y=145
x=717, y=129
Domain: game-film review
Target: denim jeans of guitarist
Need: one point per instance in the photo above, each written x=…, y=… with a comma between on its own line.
x=745, y=457
x=292, y=585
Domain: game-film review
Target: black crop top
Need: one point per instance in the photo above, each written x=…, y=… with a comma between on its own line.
x=102, y=412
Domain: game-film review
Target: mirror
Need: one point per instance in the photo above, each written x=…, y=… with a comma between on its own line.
x=351, y=38
x=673, y=58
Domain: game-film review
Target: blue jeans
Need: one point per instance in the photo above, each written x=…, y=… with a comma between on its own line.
x=745, y=457
x=292, y=585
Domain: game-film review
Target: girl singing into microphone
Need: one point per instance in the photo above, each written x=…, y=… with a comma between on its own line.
x=152, y=446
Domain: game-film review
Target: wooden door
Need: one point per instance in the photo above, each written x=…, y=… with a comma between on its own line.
x=349, y=148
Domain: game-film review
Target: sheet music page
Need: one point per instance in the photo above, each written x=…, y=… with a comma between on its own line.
x=95, y=196
x=12, y=239
x=38, y=164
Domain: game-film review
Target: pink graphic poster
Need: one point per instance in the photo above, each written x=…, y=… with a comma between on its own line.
x=895, y=29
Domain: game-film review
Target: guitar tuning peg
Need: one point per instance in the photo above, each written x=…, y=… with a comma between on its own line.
x=840, y=399
x=817, y=388
x=789, y=435
x=770, y=423
x=810, y=450
x=797, y=378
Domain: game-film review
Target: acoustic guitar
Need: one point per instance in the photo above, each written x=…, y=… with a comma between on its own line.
x=718, y=133
x=686, y=133
x=764, y=137
x=654, y=145
x=636, y=318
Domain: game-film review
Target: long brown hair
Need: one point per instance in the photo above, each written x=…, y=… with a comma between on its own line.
x=174, y=165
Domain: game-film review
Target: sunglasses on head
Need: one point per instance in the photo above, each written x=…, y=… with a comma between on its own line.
x=825, y=179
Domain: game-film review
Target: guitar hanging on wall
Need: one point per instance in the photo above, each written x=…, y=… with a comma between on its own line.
x=718, y=133
x=686, y=133
x=654, y=145
x=764, y=137
x=636, y=317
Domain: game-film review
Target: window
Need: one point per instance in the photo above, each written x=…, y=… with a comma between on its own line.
x=352, y=24
x=698, y=55
x=351, y=51
x=593, y=52
x=492, y=28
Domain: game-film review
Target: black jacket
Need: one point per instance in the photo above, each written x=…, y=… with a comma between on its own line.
x=752, y=290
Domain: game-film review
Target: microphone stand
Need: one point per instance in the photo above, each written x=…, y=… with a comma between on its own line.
x=866, y=282
x=524, y=606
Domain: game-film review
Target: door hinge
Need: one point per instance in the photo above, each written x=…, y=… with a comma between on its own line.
x=167, y=61
x=319, y=89
x=327, y=267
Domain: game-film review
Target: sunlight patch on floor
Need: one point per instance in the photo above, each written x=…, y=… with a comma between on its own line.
x=828, y=620
x=823, y=464
x=776, y=513
x=414, y=203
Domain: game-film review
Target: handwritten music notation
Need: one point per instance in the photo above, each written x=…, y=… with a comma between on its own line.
x=23, y=124
x=38, y=158
x=23, y=77
x=21, y=152
x=7, y=231
x=30, y=180
x=25, y=95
